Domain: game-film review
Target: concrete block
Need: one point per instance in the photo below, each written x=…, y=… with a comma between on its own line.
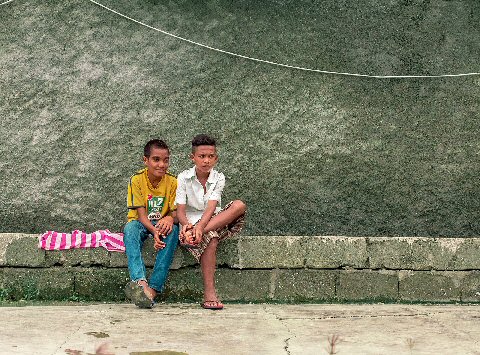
x=98, y=284
x=429, y=286
x=335, y=252
x=243, y=285
x=401, y=253
x=36, y=284
x=270, y=252
x=183, y=285
x=187, y=257
x=470, y=287
x=117, y=259
x=467, y=251
x=78, y=257
x=178, y=259
x=21, y=250
x=367, y=285
x=303, y=285
x=228, y=252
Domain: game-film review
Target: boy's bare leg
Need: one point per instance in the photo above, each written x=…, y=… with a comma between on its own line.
x=226, y=217
x=208, y=265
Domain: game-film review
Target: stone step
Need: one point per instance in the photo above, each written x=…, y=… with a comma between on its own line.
x=259, y=269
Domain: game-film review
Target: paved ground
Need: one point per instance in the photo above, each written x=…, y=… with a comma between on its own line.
x=241, y=329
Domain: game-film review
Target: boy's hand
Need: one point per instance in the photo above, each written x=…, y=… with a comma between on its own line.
x=186, y=228
x=165, y=225
x=197, y=235
x=158, y=244
x=185, y=233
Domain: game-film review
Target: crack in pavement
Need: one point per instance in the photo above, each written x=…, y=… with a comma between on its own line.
x=361, y=316
x=68, y=338
x=287, y=345
x=286, y=341
x=457, y=331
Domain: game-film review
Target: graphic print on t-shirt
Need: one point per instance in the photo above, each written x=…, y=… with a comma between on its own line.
x=154, y=207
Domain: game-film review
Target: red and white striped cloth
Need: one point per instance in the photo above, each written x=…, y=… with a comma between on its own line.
x=52, y=240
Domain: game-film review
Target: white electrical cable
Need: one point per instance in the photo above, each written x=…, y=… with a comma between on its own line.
x=275, y=63
x=271, y=62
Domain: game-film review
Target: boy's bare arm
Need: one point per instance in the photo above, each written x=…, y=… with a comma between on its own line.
x=206, y=216
x=182, y=214
x=182, y=219
x=174, y=216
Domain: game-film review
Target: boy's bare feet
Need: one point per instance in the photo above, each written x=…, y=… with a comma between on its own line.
x=140, y=295
x=210, y=300
x=149, y=292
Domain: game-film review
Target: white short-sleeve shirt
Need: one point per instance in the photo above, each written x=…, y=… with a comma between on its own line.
x=190, y=192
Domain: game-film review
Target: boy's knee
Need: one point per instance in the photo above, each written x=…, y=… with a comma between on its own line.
x=174, y=233
x=175, y=229
x=240, y=206
x=132, y=228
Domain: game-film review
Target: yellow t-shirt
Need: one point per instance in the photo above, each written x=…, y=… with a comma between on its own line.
x=158, y=201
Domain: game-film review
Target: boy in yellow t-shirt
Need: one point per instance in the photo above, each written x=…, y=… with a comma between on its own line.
x=151, y=204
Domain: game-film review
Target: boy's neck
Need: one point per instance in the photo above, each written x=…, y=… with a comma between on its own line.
x=153, y=180
x=202, y=176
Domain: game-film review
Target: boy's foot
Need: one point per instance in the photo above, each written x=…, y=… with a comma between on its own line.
x=214, y=305
x=136, y=294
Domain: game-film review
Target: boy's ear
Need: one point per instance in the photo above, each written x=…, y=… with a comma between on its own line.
x=145, y=159
x=191, y=156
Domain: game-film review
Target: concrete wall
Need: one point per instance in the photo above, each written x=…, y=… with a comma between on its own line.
x=259, y=269
x=83, y=89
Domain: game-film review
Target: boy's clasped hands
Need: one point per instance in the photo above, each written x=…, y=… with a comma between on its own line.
x=163, y=228
x=191, y=235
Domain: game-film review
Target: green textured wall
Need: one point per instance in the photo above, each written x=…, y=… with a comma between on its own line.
x=82, y=90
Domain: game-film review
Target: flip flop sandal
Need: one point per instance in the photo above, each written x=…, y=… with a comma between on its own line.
x=213, y=305
x=134, y=293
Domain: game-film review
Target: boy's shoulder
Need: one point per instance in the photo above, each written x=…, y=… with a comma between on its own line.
x=217, y=175
x=188, y=173
x=138, y=173
x=170, y=176
x=141, y=174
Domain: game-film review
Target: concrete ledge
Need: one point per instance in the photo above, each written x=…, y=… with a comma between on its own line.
x=424, y=253
x=367, y=285
x=430, y=285
x=259, y=269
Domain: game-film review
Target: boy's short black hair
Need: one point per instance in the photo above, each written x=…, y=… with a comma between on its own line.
x=154, y=143
x=202, y=139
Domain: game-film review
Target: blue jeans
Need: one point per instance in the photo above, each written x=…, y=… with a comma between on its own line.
x=134, y=236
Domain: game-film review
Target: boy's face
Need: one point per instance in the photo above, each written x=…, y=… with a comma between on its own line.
x=157, y=163
x=204, y=157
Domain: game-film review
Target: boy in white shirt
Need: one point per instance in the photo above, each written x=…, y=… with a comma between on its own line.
x=204, y=222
